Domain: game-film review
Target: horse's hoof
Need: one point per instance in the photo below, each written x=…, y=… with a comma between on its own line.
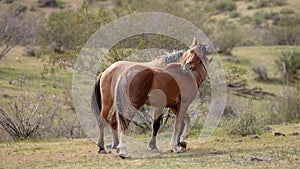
x=176, y=150
x=183, y=144
x=154, y=150
x=123, y=156
x=102, y=152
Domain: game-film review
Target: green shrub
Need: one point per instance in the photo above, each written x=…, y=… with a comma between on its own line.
x=261, y=17
x=289, y=20
x=266, y=3
x=258, y=18
x=291, y=59
x=227, y=35
x=263, y=3
x=245, y=20
x=279, y=2
x=223, y=5
x=248, y=123
x=250, y=7
x=235, y=14
x=287, y=11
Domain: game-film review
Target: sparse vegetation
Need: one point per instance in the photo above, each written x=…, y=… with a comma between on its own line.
x=248, y=122
x=15, y=30
x=25, y=117
x=262, y=73
x=289, y=64
x=227, y=35
x=286, y=107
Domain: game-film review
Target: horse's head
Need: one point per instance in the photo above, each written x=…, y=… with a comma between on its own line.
x=196, y=55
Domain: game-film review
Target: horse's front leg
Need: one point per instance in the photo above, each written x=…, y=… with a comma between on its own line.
x=177, y=126
x=155, y=127
x=184, y=136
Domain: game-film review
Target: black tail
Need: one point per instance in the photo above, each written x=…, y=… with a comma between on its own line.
x=96, y=98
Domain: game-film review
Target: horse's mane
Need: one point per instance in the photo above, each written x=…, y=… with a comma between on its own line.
x=174, y=56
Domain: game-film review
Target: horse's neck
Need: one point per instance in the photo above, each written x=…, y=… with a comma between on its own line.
x=200, y=74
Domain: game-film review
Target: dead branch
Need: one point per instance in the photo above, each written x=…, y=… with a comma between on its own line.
x=239, y=88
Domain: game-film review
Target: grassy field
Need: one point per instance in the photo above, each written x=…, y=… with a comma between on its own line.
x=267, y=151
x=219, y=152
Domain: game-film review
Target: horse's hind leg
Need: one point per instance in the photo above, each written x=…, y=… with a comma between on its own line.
x=114, y=128
x=102, y=123
x=155, y=127
x=123, y=124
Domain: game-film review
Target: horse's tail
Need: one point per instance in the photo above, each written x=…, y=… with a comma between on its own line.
x=127, y=106
x=124, y=107
x=96, y=98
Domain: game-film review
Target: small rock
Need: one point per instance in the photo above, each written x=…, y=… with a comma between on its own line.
x=12, y=82
x=255, y=137
x=6, y=95
x=43, y=84
x=295, y=134
x=45, y=3
x=239, y=140
x=268, y=128
x=279, y=134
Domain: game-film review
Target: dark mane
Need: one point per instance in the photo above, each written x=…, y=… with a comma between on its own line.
x=174, y=56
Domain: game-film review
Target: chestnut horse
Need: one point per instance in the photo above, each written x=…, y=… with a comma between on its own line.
x=174, y=86
x=103, y=93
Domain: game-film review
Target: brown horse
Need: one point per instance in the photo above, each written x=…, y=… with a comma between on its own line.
x=103, y=92
x=174, y=86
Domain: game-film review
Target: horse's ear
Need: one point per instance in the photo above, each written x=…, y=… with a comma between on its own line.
x=194, y=43
x=210, y=60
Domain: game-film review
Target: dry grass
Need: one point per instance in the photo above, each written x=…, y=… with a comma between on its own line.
x=219, y=152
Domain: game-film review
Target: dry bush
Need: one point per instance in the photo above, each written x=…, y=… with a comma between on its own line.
x=261, y=72
x=26, y=116
x=286, y=108
x=17, y=27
